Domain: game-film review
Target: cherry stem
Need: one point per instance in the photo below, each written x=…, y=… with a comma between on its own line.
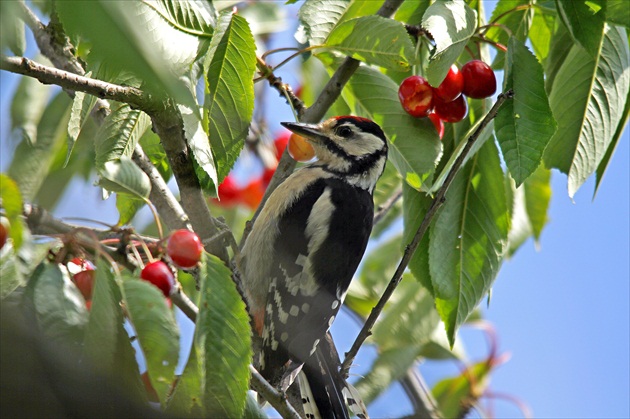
x=507, y=12
x=156, y=217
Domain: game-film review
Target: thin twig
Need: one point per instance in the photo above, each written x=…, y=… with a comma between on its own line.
x=387, y=206
x=276, y=399
x=410, y=249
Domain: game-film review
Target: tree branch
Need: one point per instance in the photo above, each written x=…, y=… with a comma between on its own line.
x=383, y=209
x=410, y=249
x=276, y=399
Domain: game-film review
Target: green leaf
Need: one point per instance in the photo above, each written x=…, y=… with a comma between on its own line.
x=618, y=12
x=119, y=134
x=12, y=204
x=31, y=162
x=603, y=165
x=517, y=21
x=253, y=410
x=156, y=331
x=222, y=341
x=409, y=321
x=374, y=40
x=468, y=238
x=127, y=206
x=451, y=23
x=597, y=91
x=559, y=48
x=525, y=124
x=541, y=32
x=520, y=225
x=411, y=12
x=415, y=206
x=537, y=198
x=192, y=17
x=132, y=36
x=485, y=135
x=10, y=275
x=389, y=366
x=107, y=344
x=199, y=144
x=585, y=21
x=229, y=101
x=317, y=18
x=82, y=105
x=187, y=396
x=456, y=396
x=59, y=305
x=12, y=27
x=28, y=104
x=414, y=145
x=123, y=176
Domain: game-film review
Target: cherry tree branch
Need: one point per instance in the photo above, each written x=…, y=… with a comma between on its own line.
x=410, y=249
x=167, y=122
x=386, y=206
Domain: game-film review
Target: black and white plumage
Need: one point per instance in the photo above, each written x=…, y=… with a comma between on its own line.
x=308, y=240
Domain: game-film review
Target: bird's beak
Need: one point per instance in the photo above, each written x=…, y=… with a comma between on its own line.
x=311, y=132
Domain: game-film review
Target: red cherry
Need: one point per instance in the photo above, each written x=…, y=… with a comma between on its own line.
x=479, y=80
x=184, y=248
x=253, y=193
x=281, y=142
x=451, y=87
x=4, y=231
x=416, y=96
x=437, y=123
x=83, y=276
x=84, y=281
x=453, y=111
x=229, y=192
x=159, y=274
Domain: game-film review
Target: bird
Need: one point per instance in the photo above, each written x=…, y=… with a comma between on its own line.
x=306, y=244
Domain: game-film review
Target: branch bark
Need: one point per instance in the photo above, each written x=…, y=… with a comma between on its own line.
x=410, y=249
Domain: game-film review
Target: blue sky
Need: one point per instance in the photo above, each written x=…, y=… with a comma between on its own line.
x=562, y=312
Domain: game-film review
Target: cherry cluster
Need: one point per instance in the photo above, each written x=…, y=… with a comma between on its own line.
x=231, y=194
x=183, y=250
x=447, y=102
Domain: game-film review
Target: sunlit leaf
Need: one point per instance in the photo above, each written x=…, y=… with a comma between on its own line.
x=222, y=341
x=124, y=176
x=415, y=206
x=199, y=144
x=537, y=198
x=541, y=33
x=12, y=206
x=525, y=124
x=187, y=395
x=597, y=91
x=374, y=40
x=457, y=395
x=229, y=101
x=451, y=23
x=196, y=17
x=119, y=134
x=317, y=18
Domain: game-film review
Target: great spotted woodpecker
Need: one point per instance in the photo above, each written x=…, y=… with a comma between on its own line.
x=307, y=242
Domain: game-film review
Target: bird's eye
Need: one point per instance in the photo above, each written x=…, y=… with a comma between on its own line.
x=344, y=131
